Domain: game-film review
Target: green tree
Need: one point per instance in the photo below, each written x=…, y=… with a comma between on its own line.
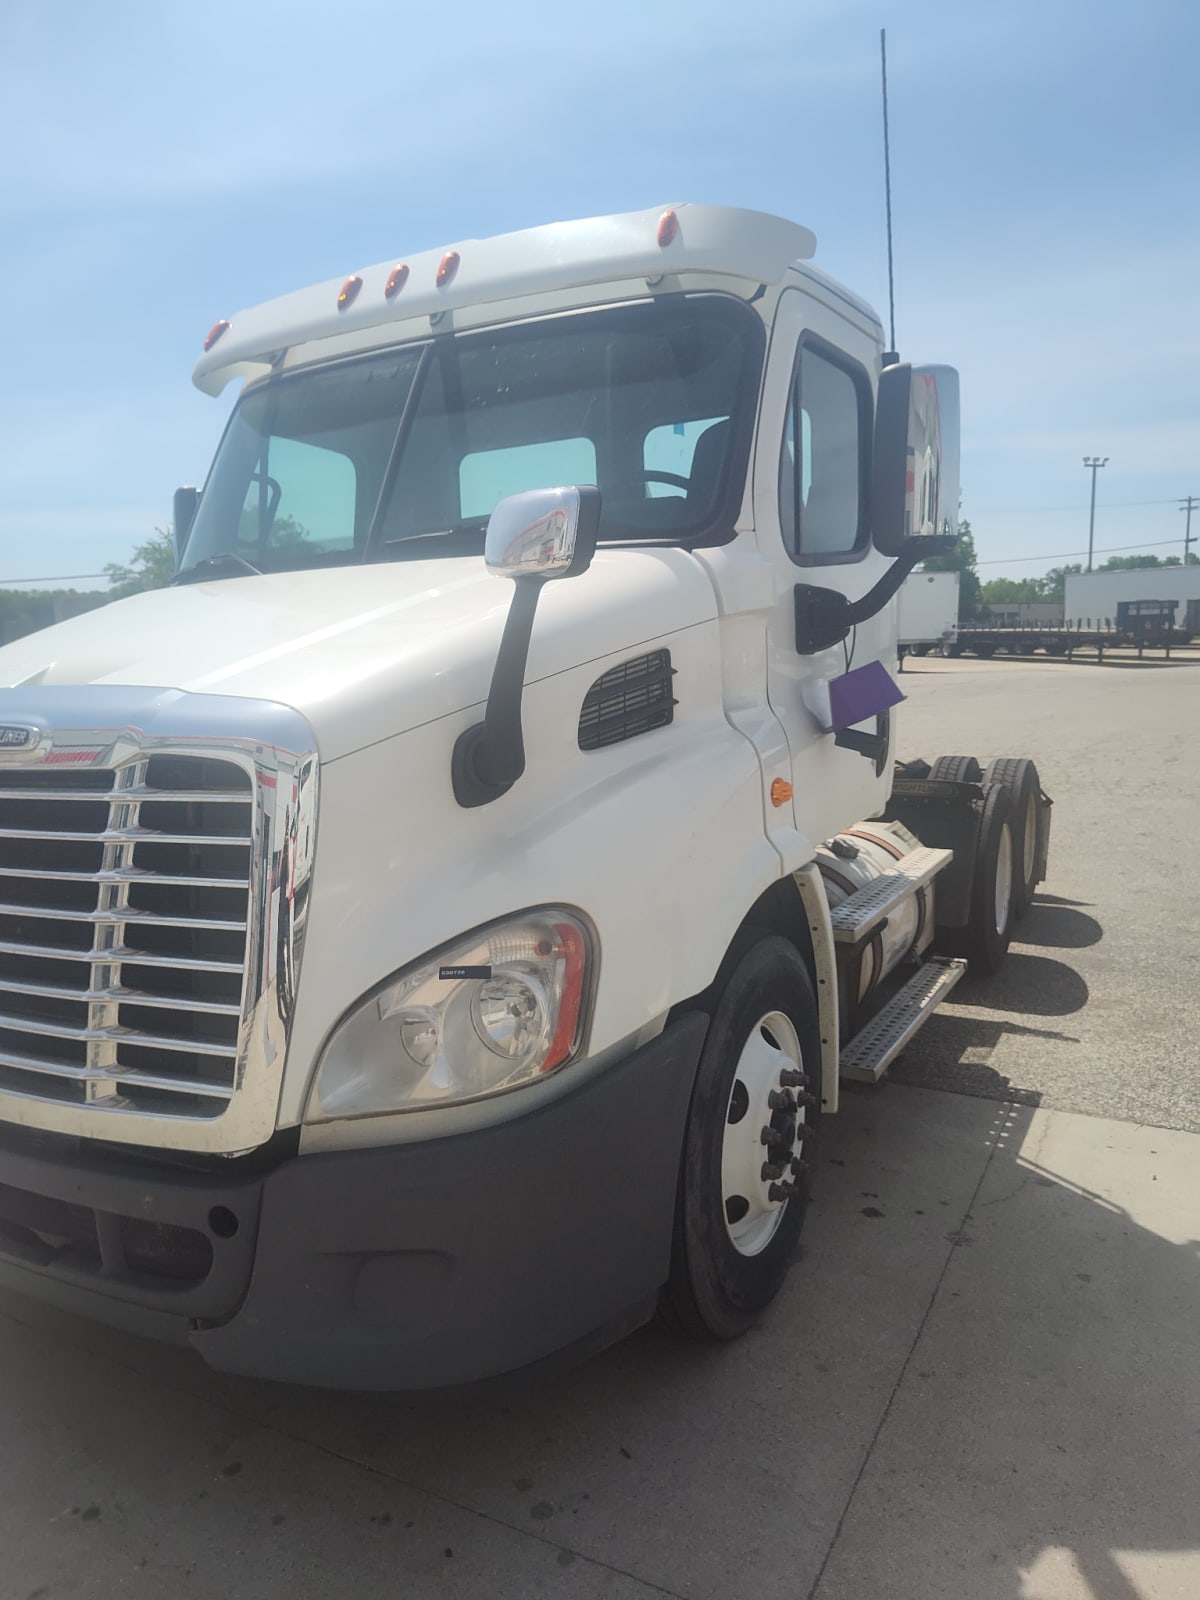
x=963, y=561
x=152, y=567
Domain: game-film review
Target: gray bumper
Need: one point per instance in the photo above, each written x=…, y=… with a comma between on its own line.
x=410, y=1267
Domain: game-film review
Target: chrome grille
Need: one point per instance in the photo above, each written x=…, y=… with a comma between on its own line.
x=124, y=922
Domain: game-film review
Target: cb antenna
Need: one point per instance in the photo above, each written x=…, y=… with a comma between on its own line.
x=890, y=358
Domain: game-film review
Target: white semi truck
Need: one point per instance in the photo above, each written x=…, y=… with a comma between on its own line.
x=432, y=929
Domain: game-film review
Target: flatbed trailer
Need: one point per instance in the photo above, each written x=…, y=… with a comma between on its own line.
x=1061, y=640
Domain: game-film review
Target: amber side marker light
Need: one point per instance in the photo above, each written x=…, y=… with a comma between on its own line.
x=781, y=791
x=448, y=267
x=349, y=292
x=668, y=229
x=214, y=333
x=397, y=278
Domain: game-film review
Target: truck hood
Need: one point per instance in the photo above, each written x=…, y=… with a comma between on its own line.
x=361, y=652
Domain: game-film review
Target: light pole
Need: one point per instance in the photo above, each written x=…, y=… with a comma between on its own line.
x=1095, y=463
x=1189, y=505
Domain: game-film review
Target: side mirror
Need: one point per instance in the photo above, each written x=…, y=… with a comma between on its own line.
x=914, y=485
x=544, y=533
x=184, y=514
x=531, y=538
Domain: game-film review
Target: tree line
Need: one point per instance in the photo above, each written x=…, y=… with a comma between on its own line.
x=24, y=611
x=976, y=595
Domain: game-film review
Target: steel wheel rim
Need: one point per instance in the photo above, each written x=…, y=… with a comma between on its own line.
x=752, y=1217
x=1029, y=852
x=1004, y=878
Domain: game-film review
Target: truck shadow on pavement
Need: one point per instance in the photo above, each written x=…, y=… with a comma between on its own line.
x=1029, y=985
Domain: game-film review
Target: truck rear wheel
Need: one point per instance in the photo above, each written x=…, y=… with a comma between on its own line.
x=744, y=1178
x=956, y=769
x=1020, y=778
x=985, y=939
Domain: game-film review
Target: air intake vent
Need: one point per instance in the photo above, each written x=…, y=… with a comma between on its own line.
x=630, y=699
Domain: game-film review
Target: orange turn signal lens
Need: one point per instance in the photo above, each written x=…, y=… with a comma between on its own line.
x=349, y=292
x=447, y=269
x=781, y=791
x=668, y=229
x=397, y=278
x=214, y=333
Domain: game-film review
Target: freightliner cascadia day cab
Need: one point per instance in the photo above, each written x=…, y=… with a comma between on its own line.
x=414, y=964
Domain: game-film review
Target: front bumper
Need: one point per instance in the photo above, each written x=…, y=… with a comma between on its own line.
x=408, y=1267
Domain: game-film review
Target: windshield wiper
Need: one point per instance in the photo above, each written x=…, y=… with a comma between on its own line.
x=471, y=525
x=224, y=561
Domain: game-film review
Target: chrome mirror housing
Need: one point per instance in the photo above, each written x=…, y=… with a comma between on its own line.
x=543, y=533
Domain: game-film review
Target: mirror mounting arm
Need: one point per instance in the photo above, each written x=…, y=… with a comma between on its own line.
x=489, y=756
x=824, y=617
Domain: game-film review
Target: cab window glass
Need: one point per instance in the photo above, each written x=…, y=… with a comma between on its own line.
x=822, y=469
x=306, y=497
x=670, y=452
x=487, y=476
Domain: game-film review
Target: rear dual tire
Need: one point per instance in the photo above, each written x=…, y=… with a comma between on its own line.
x=1020, y=778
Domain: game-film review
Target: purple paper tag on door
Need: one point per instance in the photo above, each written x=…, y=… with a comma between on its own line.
x=856, y=696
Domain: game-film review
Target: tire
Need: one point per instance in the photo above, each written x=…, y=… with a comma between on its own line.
x=1020, y=778
x=956, y=769
x=734, y=1239
x=985, y=652
x=985, y=939
x=952, y=651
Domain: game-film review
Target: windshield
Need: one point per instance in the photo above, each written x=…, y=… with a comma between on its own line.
x=403, y=455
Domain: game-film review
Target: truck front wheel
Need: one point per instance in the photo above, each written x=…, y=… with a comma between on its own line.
x=748, y=1147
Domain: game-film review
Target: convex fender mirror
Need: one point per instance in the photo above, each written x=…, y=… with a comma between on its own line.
x=546, y=533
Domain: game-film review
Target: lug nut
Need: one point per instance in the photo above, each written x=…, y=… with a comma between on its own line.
x=799, y=1168
x=770, y=1170
x=771, y=1136
x=803, y=1132
x=809, y=1100
x=781, y=1100
x=790, y=1078
x=781, y=1191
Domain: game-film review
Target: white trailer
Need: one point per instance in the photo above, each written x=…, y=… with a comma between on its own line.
x=928, y=612
x=1092, y=598
x=432, y=929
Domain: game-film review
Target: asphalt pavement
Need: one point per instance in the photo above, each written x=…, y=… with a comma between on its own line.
x=979, y=1381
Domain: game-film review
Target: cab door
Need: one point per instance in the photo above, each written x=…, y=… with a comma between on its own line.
x=812, y=519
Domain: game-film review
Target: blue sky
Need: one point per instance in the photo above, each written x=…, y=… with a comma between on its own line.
x=167, y=165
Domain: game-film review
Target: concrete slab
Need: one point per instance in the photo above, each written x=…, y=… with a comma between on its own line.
x=702, y=1472
x=1045, y=1440
x=115, y=1484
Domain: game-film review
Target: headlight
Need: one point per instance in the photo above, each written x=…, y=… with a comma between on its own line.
x=501, y=1008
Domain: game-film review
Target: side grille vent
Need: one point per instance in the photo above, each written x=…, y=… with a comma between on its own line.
x=629, y=699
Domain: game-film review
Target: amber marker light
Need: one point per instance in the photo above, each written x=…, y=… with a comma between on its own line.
x=781, y=791
x=397, y=278
x=349, y=292
x=447, y=269
x=214, y=333
x=668, y=229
